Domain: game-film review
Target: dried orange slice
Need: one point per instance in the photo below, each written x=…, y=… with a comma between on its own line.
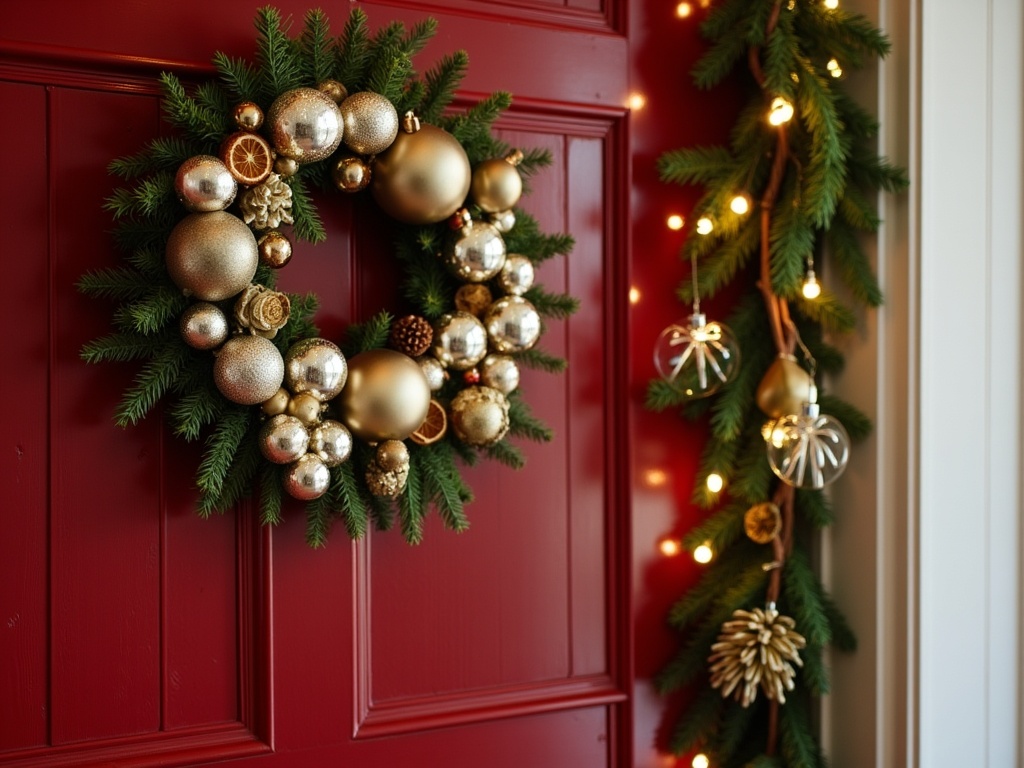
x=248, y=157
x=433, y=427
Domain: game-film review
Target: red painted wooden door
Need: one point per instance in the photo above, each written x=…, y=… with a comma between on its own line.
x=134, y=633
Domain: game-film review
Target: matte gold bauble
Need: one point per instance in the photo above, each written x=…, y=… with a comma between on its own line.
x=497, y=185
x=248, y=369
x=371, y=122
x=351, y=174
x=276, y=403
x=203, y=326
x=480, y=416
x=784, y=388
x=283, y=439
x=275, y=249
x=473, y=298
x=423, y=177
x=334, y=89
x=386, y=396
x=203, y=184
x=307, y=478
x=305, y=124
x=285, y=166
x=211, y=256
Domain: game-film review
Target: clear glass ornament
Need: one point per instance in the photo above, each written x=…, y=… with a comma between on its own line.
x=809, y=449
x=695, y=356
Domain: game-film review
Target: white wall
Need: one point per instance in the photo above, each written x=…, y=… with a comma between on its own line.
x=925, y=556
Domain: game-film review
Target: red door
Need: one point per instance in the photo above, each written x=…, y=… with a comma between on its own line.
x=133, y=632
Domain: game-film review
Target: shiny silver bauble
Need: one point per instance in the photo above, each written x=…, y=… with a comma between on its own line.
x=476, y=253
x=499, y=372
x=460, y=341
x=516, y=276
x=248, y=369
x=204, y=326
x=203, y=184
x=305, y=125
x=307, y=478
x=433, y=371
x=513, y=324
x=212, y=256
x=371, y=122
x=283, y=439
x=331, y=441
x=315, y=366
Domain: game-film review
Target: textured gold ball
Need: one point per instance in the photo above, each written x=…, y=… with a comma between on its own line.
x=497, y=185
x=248, y=116
x=203, y=326
x=275, y=249
x=307, y=478
x=371, y=122
x=333, y=89
x=351, y=174
x=305, y=125
x=473, y=298
x=277, y=403
x=305, y=407
x=211, y=256
x=392, y=455
x=784, y=388
x=479, y=416
x=423, y=177
x=248, y=369
x=203, y=184
x=386, y=396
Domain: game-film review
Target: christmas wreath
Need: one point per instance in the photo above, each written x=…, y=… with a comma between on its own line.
x=371, y=429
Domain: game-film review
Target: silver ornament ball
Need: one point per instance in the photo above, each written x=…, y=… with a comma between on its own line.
x=499, y=372
x=305, y=125
x=476, y=253
x=248, y=369
x=203, y=184
x=331, y=441
x=371, y=122
x=433, y=371
x=283, y=439
x=503, y=221
x=203, y=326
x=211, y=256
x=517, y=275
x=316, y=366
x=307, y=478
x=460, y=341
x=513, y=324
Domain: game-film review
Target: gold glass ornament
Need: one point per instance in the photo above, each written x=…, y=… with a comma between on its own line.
x=496, y=184
x=307, y=478
x=479, y=416
x=334, y=89
x=248, y=116
x=203, y=184
x=475, y=253
x=351, y=174
x=277, y=403
x=248, y=370
x=204, y=326
x=513, y=324
x=433, y=371
x=283, y=439
x=386, y=396
x=460, y=341
x=285, y=166
x=385, y=482
x=517, y=274
x=784, y=388
x=423, y=177
x=392, y=455
x=503, y=221
x=331, y=441
x=371, y=122
x=499, y=372
x=211, y=256
x=316, y=366
x=306, y=407
x=275, y=249
x=305, y=124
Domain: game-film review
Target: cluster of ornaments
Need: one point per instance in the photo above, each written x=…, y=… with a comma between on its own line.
x=315, y=402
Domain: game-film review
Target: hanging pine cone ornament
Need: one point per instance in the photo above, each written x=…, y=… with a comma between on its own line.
x=762, y=522
x=411, y=335
x=756, y=648
x=267, y=205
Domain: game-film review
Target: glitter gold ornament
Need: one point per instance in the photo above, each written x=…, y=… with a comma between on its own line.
x=275, y=249
x=513, y=324
x=423, y=177
x=460, y=341
x=497, y=185
x=386, y=396
x=331, y=441
x=248, y=157
x=388, y=471
x=283, y=439
x=203, y=326
x=476, y=253
x=392, y=455
x=784, y=388
x=307, y=478
x=335, y=90
x=480, y=416
x=371, y=122
x=248, y=369
x=305, y=124
x=211, y=256
x=762, y=522
x=316, y=366
x=433, y=371
x=473, y=298
x=351, y=174
x=203, y=184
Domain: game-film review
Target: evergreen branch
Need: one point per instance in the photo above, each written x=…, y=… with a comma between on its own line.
x=373, y=334
x=854, y=268
x=271, y=495
x=442, y=81
x=798, y=746
x=277, y=57
x=418, y=37
x=541, y=360
x=120, y=283
x=445, y=487
x=800, y=586
x=554, y=305
x=506, y=453
x=161, y=154
x=388, y=71
x=120, y=348
x=353, y=51
x=221, y=448
x=694, y=165
x=199, y=124
x=308, y=225
x=522, y=422
x=858, y=426
x=702, y=717
x=828, y=312
x=316, y=46
x=238, y=76
x=196, y=410
x=156, y=311
x=238, y=481
x=152, y=382
x=353, y=510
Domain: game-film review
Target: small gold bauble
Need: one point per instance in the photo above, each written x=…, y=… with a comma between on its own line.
x=203, y=326
x=423, y=177
x=503, y=221
x=307, y=478
x=211, y=256
x=315, y=366
x=331, y=441
x=334, y=89
x=283, y=439
x=285, y=166
x=460, y=341
x=480, y=416
x=248, y=369
x=473, y=298
x=497, y=185
x=371, y=122
x=386, y=396
x=248, y=116
x=433, y=371
x=203, y=184
x=275, y=249
x=305, y=407
x=516, y=276
x=277, y=403
x=305, y=125
x=392, y=455
x=499, y=372
x=784, y=388
x=475, y=253
x=351, y=174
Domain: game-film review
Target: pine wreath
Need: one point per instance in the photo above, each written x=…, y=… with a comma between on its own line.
x=371, y=430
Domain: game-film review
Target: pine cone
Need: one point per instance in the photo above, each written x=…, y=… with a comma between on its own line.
x=411, y=335
x=267, y=205
x=762, y=522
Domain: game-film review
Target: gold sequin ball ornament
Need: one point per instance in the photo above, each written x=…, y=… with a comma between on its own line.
x=248, y=369
x=479, y=416
x=371, y=122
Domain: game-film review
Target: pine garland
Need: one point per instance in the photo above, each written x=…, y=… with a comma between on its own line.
x=810, y=181
x=148, y=305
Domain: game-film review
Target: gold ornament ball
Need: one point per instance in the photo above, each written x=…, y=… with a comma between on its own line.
x=480, y=416
x=351, y=174
x=277, y=403
x=423, y=177
x=283, y=439
x=503, y=221
x=285, y=166
x=334, y=90
x=371, y=122
x=386, y=396
x=499, y=372
x=204, y=184
x=517, y=275
x=204, y=326
x=513, y=324
x=275, y=249
x=473, y=298
x=784, y=388
x=392, y=456
x=305, y=407
x=307, y=478
x=305, y=125
x=460, y=341
x=433, y=371
x=476, y=253
x=211, y=256
x=331, y=441
x=248, y=369
x=315, y=366
x=248, y=116
x=497, y=185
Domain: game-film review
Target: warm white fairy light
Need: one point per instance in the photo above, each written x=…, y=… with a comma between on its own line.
x=705, y=225
x=831, y=4
x=781, y=111
x=834, y=68
x=675, y=222
x=811, y=287
x=703, y=553
x=634, y=295
x=700, y=761
x=670, y=547
x=740, y=204
x=715, y=482
x=683, y=10
x=636, y=101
